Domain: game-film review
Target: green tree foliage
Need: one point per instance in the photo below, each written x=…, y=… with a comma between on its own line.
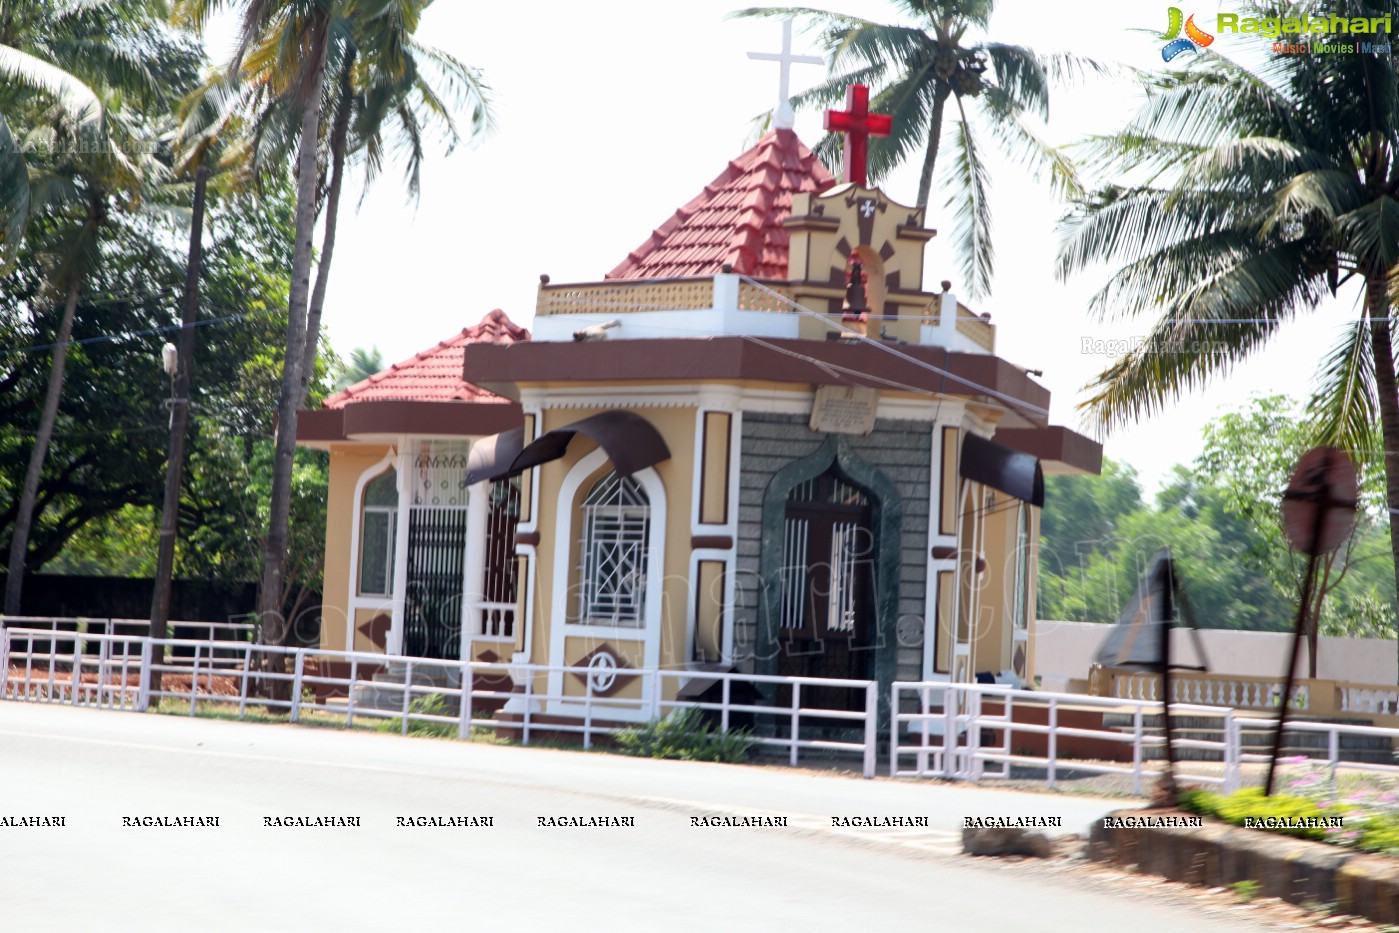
x=102, y=484
x=1238, y=199
x=1220, y=517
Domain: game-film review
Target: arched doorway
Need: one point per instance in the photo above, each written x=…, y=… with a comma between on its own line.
x=854, y=516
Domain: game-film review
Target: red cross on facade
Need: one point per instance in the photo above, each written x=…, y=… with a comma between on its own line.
x=858, y=125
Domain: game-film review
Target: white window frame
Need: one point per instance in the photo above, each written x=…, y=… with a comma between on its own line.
x=620, y=525
x=587, y=471
x=354, y=601
x=391, y=546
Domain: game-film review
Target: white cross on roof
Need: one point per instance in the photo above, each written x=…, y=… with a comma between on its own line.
x=785, y=117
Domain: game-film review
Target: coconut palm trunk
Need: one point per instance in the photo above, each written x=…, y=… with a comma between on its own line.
x=179, y=421
x=930, y=156
x=1387, y=391
x=29, y=495
x=269, y=602
x=338, y=139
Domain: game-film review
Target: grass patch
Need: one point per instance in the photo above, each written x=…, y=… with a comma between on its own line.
x=1245, y=890
x=685, y=735
x=434, y=704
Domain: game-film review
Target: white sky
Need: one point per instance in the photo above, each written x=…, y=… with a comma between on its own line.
x=612, y=114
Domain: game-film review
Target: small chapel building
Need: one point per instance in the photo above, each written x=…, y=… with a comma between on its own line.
x=757, y=444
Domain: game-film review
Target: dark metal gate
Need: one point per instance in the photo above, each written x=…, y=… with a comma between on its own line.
x=828, y=598
x=433, y=599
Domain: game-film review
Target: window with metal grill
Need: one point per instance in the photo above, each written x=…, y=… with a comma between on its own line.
x=616, y=536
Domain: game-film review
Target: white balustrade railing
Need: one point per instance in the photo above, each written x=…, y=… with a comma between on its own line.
x=1214, y=690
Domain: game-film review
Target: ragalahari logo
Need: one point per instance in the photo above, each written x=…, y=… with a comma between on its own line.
x=1194, y=35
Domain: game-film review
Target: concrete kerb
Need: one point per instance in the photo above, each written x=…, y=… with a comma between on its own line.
x=1295, y=870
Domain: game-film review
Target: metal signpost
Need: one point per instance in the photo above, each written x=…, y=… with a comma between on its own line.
x=1318, y=512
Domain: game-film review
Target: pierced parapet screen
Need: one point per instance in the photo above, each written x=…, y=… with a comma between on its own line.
x=439, y=477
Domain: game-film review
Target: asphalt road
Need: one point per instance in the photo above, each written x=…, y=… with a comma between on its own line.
x=94, y=768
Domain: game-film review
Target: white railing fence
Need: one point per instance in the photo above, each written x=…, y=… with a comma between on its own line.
x=42, y=665
x=968, y=732
x=971, y=732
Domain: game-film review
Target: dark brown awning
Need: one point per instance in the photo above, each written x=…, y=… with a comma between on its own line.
x=490, y=457
x=1012, y=472
x=632, y=443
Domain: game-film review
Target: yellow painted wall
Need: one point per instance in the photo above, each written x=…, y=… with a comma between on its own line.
x=347, y=463
x=992, y=649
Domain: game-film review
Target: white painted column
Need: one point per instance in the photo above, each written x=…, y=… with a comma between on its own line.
x=400, y=549
x=726, y=292
x=478, y=503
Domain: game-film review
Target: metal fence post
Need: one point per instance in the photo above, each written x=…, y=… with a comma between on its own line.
x=725, y=691
x=4, y=659
x=247, y=673
x=1231, y=753
x=298, y=670
x=407, y=693
x=464, y=704
x=1137, y=752
x=893, y=730
x=796, y=720
x=872, y=726
x=587, y=713
x=1053, y=739
x=194, y=680
x=950, y=699
x=76, y=678
x=143, y=683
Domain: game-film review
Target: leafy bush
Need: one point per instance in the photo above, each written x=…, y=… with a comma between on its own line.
x=1367, y=830
x=434, y=704
x=686, y=736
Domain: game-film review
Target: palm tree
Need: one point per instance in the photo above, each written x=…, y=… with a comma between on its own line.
x=1258, y=193
x=37, y=40
x=386, y=91
x=385, y=101
x=285, y=43
x=915, y=72
x=363, y=364
x=286, y=50
x=207, y=141
x=91, y=171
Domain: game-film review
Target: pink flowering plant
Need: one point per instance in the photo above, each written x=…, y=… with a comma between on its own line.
x=1367, y=806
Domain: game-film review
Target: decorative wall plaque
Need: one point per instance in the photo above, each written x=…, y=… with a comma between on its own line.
x=844, y=410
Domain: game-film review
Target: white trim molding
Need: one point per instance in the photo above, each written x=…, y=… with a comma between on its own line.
x=560, y=629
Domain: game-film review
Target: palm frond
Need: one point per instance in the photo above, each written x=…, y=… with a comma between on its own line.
x=1372, y=232
x=80, y=104
x=1343, y=410
x=14, y=194
x=969, y=203
x=1020, y=140
x=1020, y=75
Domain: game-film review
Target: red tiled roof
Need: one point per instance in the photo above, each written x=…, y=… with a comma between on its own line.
x=736, y=219
x=434, y=375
